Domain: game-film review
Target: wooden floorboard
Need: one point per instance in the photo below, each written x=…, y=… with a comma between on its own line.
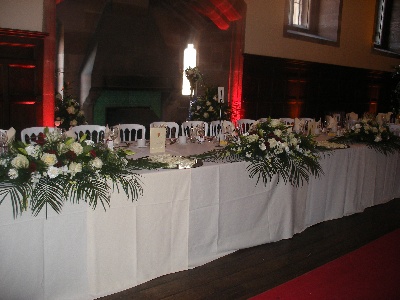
x=251, y=271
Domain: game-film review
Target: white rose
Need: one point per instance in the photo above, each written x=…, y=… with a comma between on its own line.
x=81, y=113
x=13, y=173
x=293, y=141
x=89, y=142
x=205, y=115
x=262, y=147
x=97, y=163
x=275, y=122
x=272, y=142
x=53, y=172
x=75, y=168
x=278, y=132
x=208, y=103
x=35, y=177
x=73, y=122
x=33, y=150
x=49, y=159
x=20, y=162
x=62, y=148
x=71, y=110
x=252, y=138
x=3, y=162
x=76, y=148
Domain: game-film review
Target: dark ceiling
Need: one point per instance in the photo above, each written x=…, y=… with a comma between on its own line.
x=220, y=12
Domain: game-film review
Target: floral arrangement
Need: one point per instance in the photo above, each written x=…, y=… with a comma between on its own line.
x=56, y=169
x=374, y=135
x=68, y=111
x=193, y=75
x=272, y=149
x=207, y=108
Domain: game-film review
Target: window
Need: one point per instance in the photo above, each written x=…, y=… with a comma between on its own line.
x=189, y=60
x=299, y=13
x=387, y=31
x=313, y=20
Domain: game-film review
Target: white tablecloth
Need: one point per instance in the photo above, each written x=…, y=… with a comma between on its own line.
x=186, y=218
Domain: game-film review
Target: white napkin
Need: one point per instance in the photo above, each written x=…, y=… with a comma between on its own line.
x=388, y=116
x=106, y=133
x=227, y=127
x=352, y=116
x=380, y=117
x=117, y=140
x=296, y=126
x=70, y=134
x=10, y=135
x=318, y=126
x=311, y=127
x=332, y=123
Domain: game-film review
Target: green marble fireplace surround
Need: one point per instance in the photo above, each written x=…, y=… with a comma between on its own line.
x=126, y=99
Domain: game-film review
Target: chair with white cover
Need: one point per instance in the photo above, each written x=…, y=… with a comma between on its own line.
x=93, y=133
x=244, y=124
x=31, y=134
x=216, y=128
x=193, y=124
x=287, y=121
x=9, y=134
x=172, y=128
x=132, y=132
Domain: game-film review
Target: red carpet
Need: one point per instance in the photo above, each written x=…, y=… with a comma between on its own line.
x=370, y=272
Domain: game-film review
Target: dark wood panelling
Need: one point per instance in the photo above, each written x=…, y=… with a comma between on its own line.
x=280, y=87
x=21, y=78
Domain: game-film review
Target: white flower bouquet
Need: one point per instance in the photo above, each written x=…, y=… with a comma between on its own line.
x=272, y=148
x=371, y=133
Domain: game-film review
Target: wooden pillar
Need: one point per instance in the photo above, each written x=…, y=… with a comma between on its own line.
x=49, y=61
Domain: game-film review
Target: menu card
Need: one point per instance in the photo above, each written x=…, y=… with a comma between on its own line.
x=157, y=140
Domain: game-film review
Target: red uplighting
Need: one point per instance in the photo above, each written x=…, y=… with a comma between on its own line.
x=22, y=66
x=16, y=45
x=227, y=9
x=27, y=102
x=213, y=14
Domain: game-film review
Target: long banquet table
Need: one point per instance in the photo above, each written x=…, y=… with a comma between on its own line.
x=185, y=218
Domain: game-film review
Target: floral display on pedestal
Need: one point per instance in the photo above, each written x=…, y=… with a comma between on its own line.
x=207, y=108
x=194, y=76
x=68, y=112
